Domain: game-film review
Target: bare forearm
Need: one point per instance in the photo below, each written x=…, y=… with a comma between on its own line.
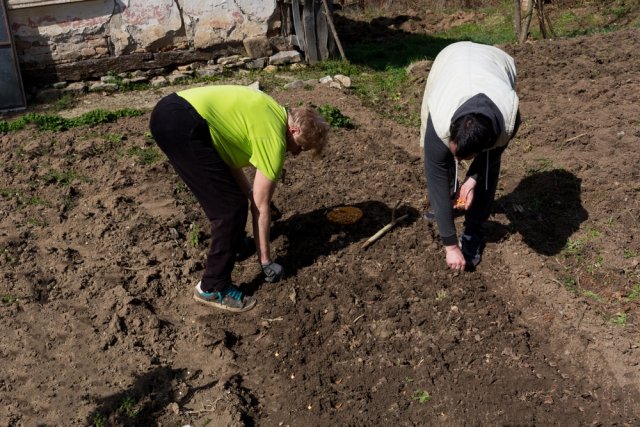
x=261, y=232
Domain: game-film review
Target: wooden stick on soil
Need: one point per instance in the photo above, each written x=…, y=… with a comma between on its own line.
x=386, y=228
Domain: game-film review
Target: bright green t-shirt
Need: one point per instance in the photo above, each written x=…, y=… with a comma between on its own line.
x=247, y=126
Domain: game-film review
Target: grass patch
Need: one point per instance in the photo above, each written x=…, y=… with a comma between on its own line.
x=422, y=396
x=57, y=123
x=634, y=295
x=63, y=178
x=619, y=319
x=145, y=155
x=8, y=299
x=335, y=118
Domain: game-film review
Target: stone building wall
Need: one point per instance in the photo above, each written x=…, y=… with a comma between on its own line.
x=74, y=39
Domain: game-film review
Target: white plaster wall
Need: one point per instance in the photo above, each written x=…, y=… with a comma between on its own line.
x=68, y=32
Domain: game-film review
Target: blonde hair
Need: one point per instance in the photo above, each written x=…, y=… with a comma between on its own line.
x=314, y=129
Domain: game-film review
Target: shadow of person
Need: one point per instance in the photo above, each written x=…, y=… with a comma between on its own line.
x=545, y=208
x=308, y=236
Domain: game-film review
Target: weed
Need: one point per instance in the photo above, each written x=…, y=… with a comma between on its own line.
x=620, y=319
x=628, y=253
x=145, y=155
x=441, y=294
x=114, y=138
x=570, y=285
x=37, y=222
x=128, y=407
x=335, y=118
x=634, y=294
x=542, y=166
x=8, y=299
x=194, y=235
x=421, y=396
x=98, y=420
x=594, y=296
x=9, y=192
x=57, y=123
x=37, y=201
x=65, y=102
x=63, y=178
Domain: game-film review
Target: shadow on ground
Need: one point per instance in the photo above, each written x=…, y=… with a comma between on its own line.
x=545, y=208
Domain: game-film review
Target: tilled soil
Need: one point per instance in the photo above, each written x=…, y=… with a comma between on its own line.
x=101, y=246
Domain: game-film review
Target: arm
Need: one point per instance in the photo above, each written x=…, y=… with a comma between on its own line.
x=263, y=189
x=438, y=161
x=242, y=181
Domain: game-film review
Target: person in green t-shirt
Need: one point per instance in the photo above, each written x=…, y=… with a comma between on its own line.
x=209, y=135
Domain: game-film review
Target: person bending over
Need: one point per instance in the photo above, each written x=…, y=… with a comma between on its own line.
x=469, y=112
x=209, y=135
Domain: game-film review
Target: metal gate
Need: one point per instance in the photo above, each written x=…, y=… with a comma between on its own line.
x=11, y=89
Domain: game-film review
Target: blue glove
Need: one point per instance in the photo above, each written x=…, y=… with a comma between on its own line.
x=273, y=272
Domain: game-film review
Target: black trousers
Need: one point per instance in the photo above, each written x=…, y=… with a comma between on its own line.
x=183, y=135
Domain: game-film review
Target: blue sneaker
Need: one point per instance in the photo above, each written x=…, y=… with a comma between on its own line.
x=229, y=299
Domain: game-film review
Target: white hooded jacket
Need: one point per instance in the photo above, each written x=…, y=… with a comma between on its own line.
x=461, y=71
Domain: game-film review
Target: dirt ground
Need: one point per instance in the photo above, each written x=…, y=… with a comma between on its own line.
x=100, y=250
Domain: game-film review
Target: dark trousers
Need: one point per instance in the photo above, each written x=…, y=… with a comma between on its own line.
x=183, y=135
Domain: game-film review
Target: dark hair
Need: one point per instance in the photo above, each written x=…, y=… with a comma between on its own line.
x=473, y=133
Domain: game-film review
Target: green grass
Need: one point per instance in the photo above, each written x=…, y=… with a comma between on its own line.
x=335, y=118
x=421, y=396
x=55, y=123
x=145, y=155
x=8, y=299
x=63, y=178
x=634, y=295
x=194, y=236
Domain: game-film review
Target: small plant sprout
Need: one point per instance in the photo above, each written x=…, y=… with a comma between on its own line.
x=594, y=296
x=194, y=235
x=634, y=294
x=620, y=319
x=128, y=407
x=422, y=396
x=8, y=299
x=441, y=294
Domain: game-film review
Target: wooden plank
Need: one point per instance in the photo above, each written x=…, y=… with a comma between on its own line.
x=309, y=19
x=322, y=33
x=297, y=25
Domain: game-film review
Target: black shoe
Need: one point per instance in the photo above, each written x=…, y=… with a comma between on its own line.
x=472, y=246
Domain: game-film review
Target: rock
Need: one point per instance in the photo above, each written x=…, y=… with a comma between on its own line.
x=345, y=81
x=109, y=79
x=159, y=81
x=75, y=88
x=255, y=85
x=286, y=57
x=225, y=60
x=298, y=84
x=325, y=80
x=103, y=87
x=257, y=47
x=210, y=70
x=257, y=63
x=177, y=78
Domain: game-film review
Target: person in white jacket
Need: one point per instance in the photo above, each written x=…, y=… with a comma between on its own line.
x=469, y=111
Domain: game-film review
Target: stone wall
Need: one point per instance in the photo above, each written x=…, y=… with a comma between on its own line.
x=67, y=40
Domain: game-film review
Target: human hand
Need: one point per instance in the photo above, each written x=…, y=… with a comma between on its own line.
x=273, y=272
x=465, y=196
x=455, y=258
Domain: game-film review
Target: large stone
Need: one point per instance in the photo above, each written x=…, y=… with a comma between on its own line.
x=257, y=47
x=286, y=57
